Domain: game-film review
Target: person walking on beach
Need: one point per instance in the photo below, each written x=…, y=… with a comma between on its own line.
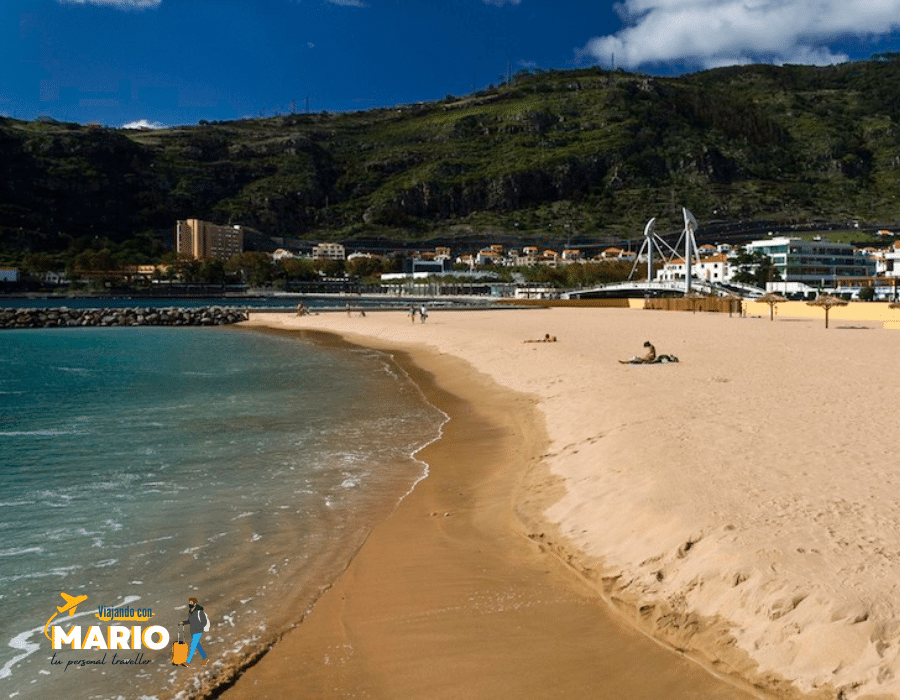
x=412, y=314
x=199, y=623
x=423, y=313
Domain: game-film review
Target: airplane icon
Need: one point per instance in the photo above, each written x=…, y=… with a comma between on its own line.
x=71, y=603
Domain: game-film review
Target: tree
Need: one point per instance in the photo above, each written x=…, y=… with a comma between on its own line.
x=329, y=268
x=295, y=269
x=867, y=294
x=212, y=271
x=255, y=269
x=363, y=268
x=755, y=268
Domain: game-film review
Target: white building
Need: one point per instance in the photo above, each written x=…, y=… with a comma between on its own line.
x=887, y=263
x=328, y=251
x=282, y=254
x=813, y=263
x=713, y=268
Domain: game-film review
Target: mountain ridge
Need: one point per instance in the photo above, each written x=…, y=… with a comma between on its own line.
x=558, y=155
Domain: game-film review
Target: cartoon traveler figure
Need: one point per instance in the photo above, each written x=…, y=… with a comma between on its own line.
x=199, y=623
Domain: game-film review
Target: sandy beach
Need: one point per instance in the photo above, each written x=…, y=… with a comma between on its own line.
x=737, y=507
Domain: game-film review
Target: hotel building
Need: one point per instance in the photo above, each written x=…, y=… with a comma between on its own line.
x=814, y=263
x=202, y=240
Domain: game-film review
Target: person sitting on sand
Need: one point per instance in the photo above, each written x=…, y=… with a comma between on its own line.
x=646, y=359
x=650, y=358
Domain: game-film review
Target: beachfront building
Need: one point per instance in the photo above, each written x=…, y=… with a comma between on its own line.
x=528, y=256
x=887, y=262
x=282, y=254
x=713, y=268
x=328, y=251
x=425, y=266
x=489, y=256
x=800, y=262
x=202, y=240
x=443, y=253
x=615, y=254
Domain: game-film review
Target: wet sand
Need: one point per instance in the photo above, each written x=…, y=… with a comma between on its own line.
x=466, y=590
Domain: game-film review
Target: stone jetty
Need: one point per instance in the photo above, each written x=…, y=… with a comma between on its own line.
x=70, y=318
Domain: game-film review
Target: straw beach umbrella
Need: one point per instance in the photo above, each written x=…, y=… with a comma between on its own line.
x=771, y=298
x=894, y=305
x=826, y=302
x=733, y=301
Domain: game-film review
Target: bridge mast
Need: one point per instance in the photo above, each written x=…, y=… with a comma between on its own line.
x=690, y=247
x=651, y=241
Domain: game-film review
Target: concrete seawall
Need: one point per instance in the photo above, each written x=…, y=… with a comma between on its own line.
x=70, y=318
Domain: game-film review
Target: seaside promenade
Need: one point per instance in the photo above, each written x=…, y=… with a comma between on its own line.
x=738, y=507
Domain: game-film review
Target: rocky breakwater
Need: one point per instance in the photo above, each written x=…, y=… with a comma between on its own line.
x=70, y=318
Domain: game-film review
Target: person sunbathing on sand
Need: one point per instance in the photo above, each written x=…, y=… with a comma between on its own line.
x=546, y=339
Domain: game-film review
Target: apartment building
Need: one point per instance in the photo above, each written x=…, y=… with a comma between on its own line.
x=202, y=240
x=814, y=263
x=328, y=251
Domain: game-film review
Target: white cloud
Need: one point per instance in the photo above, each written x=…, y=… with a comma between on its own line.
x=143, y=124
x=349, y=3
x=712, y=33
x=119, y=4
x=501, y=3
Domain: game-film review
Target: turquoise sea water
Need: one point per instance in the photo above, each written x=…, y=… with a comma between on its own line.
x=142, y=466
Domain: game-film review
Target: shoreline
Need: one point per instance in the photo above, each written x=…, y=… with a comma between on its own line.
x=316, y=581
x=435, y=549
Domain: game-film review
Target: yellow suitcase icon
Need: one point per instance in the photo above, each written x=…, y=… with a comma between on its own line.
x=179, y=650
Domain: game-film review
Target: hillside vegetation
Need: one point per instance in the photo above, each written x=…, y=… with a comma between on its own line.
x=583, y=155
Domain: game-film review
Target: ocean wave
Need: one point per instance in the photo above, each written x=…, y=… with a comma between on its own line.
x=20, y=642
x=142, y=542
x=16, y=503
x=15, y=551
x=63, y=533
x=59, y=571
x=47, y=432
x=105, y=564
x=351, y=482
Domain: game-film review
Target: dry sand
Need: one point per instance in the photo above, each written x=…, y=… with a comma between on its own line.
x=739, y=506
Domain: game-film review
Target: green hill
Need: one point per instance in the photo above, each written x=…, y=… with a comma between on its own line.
x=585, y=154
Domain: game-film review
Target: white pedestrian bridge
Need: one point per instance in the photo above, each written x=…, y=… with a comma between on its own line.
x=642, y=288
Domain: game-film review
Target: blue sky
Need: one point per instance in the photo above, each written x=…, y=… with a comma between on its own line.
x=168, y=62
